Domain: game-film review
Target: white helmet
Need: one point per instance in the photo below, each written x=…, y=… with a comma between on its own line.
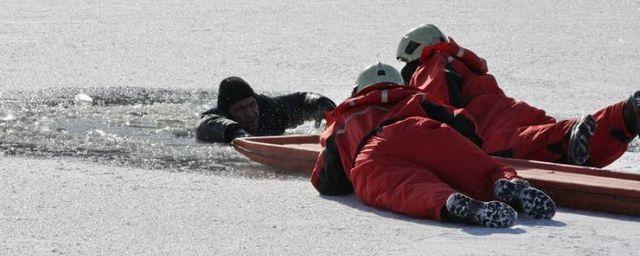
x=412, y=43
x=375, y=74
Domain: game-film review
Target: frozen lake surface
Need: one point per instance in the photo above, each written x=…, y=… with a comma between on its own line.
x=98, y=101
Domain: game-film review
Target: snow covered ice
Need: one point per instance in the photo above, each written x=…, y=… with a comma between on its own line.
x=98, y=101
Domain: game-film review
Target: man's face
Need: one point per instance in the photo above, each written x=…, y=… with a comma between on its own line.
x=246, y=113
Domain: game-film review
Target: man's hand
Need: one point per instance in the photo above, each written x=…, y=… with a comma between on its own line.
x=323, y=104
x=239, y=133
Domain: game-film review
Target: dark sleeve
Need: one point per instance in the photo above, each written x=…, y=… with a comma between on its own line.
x=332, y=180
x=454, y=84
x=216, y=128
x=303, y=106
x=459, y=122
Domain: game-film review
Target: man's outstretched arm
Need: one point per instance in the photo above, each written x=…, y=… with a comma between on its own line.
x=303, y=106
x=217, y=128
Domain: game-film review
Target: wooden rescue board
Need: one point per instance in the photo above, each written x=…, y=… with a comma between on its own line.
x=570, y=186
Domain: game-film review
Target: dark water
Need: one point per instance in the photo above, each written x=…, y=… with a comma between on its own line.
x=137, y=127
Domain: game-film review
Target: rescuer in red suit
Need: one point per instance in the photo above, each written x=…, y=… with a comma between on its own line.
x=457, y=77
x=400, y=150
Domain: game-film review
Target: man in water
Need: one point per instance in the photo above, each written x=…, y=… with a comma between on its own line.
x=240, y=112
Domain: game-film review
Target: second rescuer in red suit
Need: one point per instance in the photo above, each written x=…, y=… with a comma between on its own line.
x=399, y=150
x=458, y=77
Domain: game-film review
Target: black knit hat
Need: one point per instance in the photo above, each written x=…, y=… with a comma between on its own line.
x=231, y=90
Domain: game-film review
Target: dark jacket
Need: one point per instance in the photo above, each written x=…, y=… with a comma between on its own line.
x=276, y=114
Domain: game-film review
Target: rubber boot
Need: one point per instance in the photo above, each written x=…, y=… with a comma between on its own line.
x=519, y=194
x=578, y=140
x=492, y=214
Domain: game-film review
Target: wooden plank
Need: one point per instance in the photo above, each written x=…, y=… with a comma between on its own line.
x=582, y=182
x=280, y=157
x=522, y=163
x=571, y=186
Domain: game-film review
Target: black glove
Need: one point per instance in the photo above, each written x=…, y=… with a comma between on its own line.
x=322, y=104
x=238, y=133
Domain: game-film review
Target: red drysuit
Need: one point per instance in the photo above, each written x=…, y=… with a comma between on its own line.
x=400, y=152
x=508, y=127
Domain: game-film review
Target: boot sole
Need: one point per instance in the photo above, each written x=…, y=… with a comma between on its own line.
x=579, y=136
x=492, y=214
x=537, y=204
x=532, y=201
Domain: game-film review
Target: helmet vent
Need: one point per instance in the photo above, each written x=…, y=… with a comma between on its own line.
x=411, y=47
x=382, y=73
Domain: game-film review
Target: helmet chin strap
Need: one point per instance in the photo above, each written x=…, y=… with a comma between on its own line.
x=355, y=90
